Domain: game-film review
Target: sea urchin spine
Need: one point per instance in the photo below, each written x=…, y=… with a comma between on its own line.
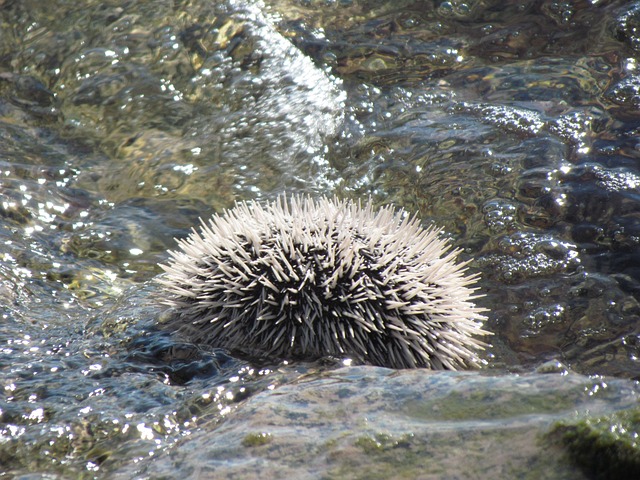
x=309, y=278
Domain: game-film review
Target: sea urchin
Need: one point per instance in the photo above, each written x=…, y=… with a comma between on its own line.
x=309, y=278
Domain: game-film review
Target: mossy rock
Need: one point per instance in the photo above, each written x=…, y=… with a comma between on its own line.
x=603, y=447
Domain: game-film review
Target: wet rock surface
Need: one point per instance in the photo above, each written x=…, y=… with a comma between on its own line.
x=385, y=425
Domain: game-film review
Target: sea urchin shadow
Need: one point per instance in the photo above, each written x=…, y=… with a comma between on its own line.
x=304, y=278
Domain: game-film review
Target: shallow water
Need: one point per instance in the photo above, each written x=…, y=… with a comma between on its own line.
x=513, y=125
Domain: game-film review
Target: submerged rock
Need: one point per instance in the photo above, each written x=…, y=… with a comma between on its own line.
x=370, y=423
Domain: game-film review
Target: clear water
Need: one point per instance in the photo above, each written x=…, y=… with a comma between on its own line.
x=512, y=125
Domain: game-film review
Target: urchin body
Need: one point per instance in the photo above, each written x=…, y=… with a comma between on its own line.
x=304, y=278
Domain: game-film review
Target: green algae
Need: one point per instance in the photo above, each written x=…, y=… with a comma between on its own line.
x=387, y=456
x=380, y=442
x=492, y=404
x=606, y=446
x=256, y=439
x=410, y=455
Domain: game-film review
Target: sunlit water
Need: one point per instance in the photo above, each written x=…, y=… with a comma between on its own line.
x=512, y=125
